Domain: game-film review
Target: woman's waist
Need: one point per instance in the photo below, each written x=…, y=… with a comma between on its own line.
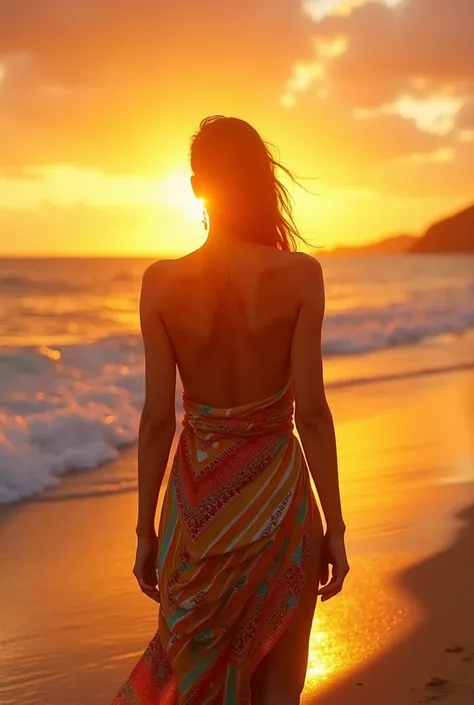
x=221, y=428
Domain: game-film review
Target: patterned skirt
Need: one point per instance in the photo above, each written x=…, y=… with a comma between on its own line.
x=237, y=523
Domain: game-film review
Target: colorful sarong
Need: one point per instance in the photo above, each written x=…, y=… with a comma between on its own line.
x=235, y=533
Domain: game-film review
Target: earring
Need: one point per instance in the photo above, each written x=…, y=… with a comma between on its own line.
x=205, y=219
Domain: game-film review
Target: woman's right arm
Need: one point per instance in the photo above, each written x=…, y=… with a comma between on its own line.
x=313, y=417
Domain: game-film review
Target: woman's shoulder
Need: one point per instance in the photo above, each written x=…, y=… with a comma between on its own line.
x=162, y=271
x=305, y=279
x=166, y=282
x=303, y=267
x=157, y=268
x=156, y=280
x=305, y=261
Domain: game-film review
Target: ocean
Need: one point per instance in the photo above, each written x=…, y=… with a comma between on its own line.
x=71, y=364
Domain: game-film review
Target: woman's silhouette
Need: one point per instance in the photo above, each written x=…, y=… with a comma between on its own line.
x=240, y=552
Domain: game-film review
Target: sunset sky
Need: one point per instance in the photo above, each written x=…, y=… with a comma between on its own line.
x=374, y=100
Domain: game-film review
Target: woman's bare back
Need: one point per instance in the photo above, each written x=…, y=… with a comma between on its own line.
x=230, y=313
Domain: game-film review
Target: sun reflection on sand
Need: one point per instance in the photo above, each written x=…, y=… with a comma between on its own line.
x=349, y=631
x=319, y=665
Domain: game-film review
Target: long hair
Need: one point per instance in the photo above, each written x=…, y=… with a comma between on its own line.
x=241, y=179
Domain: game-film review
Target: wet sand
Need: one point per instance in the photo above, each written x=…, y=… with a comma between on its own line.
x=434, y=662
x=73, y=623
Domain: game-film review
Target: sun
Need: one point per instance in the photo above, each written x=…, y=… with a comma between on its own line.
x=175, y=191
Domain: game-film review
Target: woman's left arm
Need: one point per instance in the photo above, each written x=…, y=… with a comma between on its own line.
x=157, y=424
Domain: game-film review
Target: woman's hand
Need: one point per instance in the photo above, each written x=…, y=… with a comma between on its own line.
x=334, y=554
x=145, y=566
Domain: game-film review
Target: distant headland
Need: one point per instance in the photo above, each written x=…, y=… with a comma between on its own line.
x=451, y=235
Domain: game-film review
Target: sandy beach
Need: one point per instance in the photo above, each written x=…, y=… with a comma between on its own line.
x=73, y=622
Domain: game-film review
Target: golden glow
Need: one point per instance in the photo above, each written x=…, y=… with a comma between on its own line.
x=175, y=191
x=319, y=666
x=343, y=637
x=65, y=184
x=133, y=215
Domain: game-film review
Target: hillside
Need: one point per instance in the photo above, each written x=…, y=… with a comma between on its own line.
x=450, y=235
x=395, y=245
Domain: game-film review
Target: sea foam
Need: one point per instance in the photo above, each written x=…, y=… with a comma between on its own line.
x=67, y=409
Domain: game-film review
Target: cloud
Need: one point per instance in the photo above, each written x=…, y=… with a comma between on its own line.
x=350, y=152
x=392, y=84
x=109, y=83
x=80, y=229
x=390, y=50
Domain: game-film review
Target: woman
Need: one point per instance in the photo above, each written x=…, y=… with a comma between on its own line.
x=240, y=552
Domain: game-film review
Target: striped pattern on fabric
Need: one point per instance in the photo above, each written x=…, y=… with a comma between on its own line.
x=234, y=541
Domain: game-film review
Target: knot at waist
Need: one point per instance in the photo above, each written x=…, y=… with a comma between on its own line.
x=267, y=416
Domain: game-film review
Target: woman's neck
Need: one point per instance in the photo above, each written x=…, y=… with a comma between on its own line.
x=221, y=233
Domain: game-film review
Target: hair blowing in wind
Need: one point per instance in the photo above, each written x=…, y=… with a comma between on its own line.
x=239, y=183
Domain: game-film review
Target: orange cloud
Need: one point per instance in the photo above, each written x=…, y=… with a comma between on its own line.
x=395, y=95
x=112, y=83
x=419, y=45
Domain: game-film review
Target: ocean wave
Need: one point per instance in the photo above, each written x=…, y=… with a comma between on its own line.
x=27, y=285
x=73, y=408
x=70, y=434
x=366, y=330
x=66, y=409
